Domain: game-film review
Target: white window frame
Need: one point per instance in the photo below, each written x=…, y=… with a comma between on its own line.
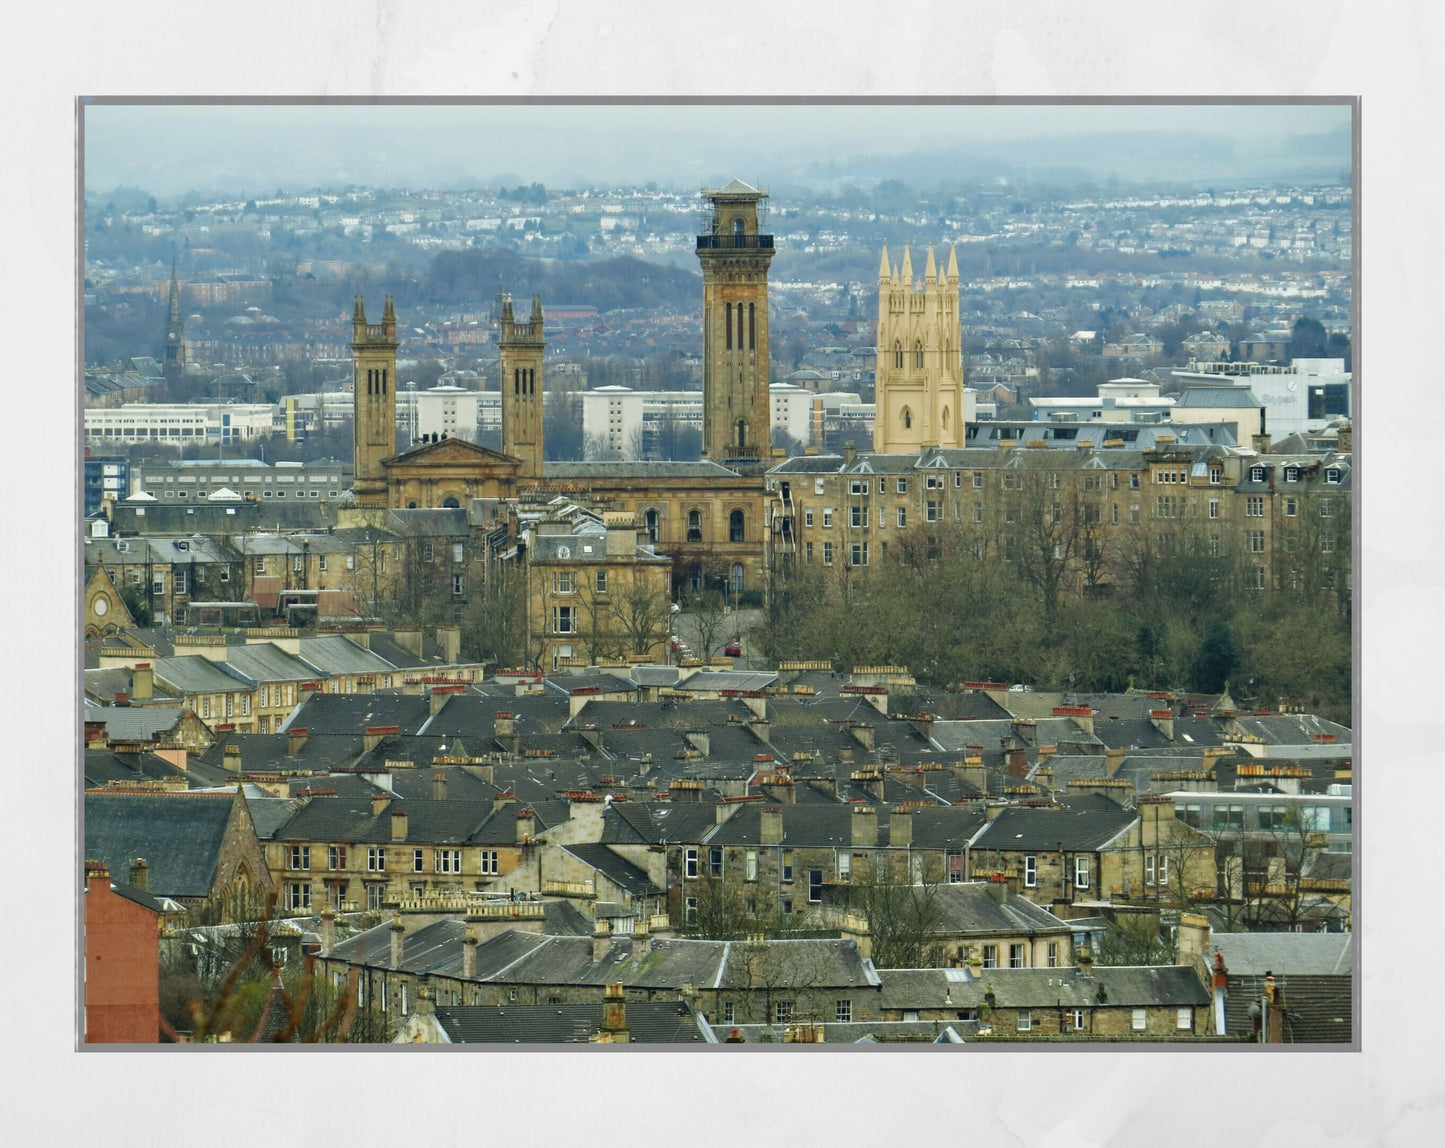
x=1184, y=1019
x=376, y=859
x=1031, y=870
x=418, y=860
x=690, y=867
x=1053, y=957
x=843, y=1010
x=1081, y=872
x=447, y=860
x=750, y=865
x=335, y=857
x=1025, y=1022
x=298, y=857
x=1139, y=1020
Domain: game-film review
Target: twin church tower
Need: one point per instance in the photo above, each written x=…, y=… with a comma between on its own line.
x=919, y=368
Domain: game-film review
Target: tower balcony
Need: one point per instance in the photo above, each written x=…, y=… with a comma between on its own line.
x=734, y=242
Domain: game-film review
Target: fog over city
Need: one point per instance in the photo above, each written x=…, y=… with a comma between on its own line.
x=170, y=149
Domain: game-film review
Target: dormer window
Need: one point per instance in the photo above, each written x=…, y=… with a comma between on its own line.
x=1256, y=474
x=1291, y=474
x=1333, y=475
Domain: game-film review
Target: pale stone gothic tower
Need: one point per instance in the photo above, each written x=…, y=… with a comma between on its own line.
x=736, y=405
x=918, y=387
x=522, y=345
x=174, y=365
x=373, y=396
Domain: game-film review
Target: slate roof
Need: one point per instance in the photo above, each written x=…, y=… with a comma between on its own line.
x=474, y=716
x=136, y=723
x=179, y=834
x=1078, y=829
x=1318, y=1008
x=860, y=1032
x=265, y=662
x=446, y=822
x=831, y=826
x=1314, y=954
x=972, y=907
x=648, y=1022
x=335, y=654
x=323, y=713
x=194, y=674
x=1133, y=986
x=103, y=766
x=616, y=868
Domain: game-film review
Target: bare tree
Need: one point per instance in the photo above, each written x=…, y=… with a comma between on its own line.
x=642, y=611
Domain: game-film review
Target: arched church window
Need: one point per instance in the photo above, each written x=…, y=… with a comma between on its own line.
x=918, y=353
x=898, y=355
x=907, y=419
x=650, y=524
x=735, y=526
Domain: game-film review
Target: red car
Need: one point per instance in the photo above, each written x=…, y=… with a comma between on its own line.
x=733, y=649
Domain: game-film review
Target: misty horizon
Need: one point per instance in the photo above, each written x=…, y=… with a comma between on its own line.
x=170, y=150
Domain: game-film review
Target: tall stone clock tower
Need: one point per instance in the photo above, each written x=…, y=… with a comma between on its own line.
x=522, y=346
x=373, y=357
x=736, y=420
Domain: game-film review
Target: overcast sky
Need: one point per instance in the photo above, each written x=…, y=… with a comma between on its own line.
x=171, y=148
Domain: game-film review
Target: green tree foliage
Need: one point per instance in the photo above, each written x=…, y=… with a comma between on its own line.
x=1217, y=658
x=1307, y=339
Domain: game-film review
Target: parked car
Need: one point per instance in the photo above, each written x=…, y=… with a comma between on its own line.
x=733, y=649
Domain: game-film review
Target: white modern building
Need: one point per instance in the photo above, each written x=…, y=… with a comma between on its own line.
x=176, y=424
x=627, y=422
x=1302, y=397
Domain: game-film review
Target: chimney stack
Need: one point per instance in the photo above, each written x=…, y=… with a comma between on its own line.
x=328, y=931
x=398, y=950
x=231, y=758
x=614, y=1015
x=398, y=824
x=601, y=941
x=140, y=874
x=506, y=797
x=863, y=735
x=1163, y=721
x=142, y=681
x=770, y=827
x=524, y=826
x=864, y=827
x=379, y=801
x=409, y=639
x=439, y=786
x=295, y=739
x=900, y=827
x=469, y=953
x=449, y=638
x=1016, y=760
x=440, y=695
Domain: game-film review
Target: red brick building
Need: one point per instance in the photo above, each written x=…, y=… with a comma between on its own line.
x=122, y=962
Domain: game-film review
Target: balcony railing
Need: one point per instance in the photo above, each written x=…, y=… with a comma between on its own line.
x=722, y=242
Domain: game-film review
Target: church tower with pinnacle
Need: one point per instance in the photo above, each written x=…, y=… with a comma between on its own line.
x=918, y=387
x=173, y=364
x=522, y=346
x=373, y=357
x=737, y=409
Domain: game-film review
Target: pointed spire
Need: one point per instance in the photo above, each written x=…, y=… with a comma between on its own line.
x=930, y=274
x=952, y=263
x=537, y=311
x=907, y=269
x=388, y=311
x=883, y=274
x=358, y=313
